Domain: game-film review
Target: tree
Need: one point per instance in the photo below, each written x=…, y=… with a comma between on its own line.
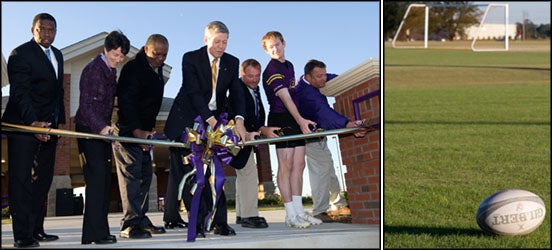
x=447, y=19
x=393, y=13
x=543, y=31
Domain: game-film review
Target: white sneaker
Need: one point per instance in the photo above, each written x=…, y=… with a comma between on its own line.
x=310, y=219
x=297, y=222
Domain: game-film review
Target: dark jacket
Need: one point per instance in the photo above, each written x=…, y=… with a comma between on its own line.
x=251, y=124
x=140, y=94
x=97, y=86
x=196, y=90
x=35, y=92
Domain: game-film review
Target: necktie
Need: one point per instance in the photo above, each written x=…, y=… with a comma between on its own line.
x=256, y=103
x=47, y=51
x=214, y=73
x=56, y=110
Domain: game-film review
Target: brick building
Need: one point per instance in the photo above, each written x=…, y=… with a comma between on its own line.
x=357, y=96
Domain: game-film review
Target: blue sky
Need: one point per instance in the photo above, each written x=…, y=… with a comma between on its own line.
x=342, y=34
x=536, y=12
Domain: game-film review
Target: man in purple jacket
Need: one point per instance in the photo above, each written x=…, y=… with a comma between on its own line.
x=314, y=106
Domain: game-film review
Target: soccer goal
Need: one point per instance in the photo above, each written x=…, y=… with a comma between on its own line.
x=491, y=34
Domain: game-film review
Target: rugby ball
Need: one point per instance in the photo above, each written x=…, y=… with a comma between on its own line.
x=511, y=212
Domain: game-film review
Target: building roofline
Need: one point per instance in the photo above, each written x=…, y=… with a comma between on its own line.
x=352, y=77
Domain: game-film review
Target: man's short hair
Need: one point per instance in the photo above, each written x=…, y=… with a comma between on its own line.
x=313, y=63
x=216, y=27
x=44, y=16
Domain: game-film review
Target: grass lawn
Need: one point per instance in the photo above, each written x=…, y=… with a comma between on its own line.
x=459, y=126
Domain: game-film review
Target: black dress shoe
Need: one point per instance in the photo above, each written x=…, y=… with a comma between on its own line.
x=26, y=243
x=254, y=222
x=106, y=240
x=45, y=237
x=154, y=230
x=111, y=236
x=200, y=233
x=134, y=233
x=238, y=220
x=224, y=229
x=200, y=230
x=172, y=225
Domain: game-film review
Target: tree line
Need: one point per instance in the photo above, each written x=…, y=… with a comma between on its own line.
x=447, y=22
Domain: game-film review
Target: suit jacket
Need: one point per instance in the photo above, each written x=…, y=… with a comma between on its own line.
x=196, y=90
x=35, y=92
x=140, y=94
x=98, y=84
x=251, y=123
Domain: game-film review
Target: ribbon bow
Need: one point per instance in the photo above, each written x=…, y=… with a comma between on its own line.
x=209, y=148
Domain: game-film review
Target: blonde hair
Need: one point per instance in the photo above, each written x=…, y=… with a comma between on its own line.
x=272, y=35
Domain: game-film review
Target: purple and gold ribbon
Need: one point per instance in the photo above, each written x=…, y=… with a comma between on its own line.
x=209, y=148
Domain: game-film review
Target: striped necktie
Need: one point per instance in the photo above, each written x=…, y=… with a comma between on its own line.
x=256, y=103
x=214, y=74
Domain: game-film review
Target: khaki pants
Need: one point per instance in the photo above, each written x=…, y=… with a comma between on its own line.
x=247, y=189
x=326, y=193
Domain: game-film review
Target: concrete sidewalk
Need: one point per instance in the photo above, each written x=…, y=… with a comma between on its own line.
x=277, y=235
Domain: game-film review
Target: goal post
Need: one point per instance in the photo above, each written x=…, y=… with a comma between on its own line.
x=478, y=28
x=482, y=25
x=426, y=19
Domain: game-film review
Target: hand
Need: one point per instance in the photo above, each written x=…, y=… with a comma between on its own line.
x=305, y=125
x=251, y=135
x=212, y=121
x=42, y=137
x=143, y=134
x=269, y=132
x=355, y=124
x=106, y=130
x=240, y=130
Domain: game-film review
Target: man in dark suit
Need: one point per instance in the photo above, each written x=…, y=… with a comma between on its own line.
x=247, y=181
x=140, y=93
x=35, y=71
x=203, y=70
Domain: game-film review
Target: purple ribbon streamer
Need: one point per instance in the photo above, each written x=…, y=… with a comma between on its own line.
x=196, y=160
x=219, y=154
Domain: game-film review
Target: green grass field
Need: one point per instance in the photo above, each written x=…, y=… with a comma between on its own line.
x=459, y=126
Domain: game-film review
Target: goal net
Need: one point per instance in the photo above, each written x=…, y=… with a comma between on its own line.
x=490, y=31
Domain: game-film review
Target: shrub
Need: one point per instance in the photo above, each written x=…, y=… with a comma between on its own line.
x=6, y=213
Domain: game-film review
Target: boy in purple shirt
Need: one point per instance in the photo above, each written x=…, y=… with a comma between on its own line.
x=278, y=83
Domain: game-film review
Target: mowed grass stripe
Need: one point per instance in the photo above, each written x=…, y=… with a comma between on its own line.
x=459, y=126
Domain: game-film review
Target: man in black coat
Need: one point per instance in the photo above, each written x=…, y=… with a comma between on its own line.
x=35, y=71
x=197, y=98
x=140, y=94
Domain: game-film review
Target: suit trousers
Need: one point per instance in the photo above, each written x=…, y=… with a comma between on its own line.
x=326, y=193
x=27, y=195
x=134, y=172
x=172, y=201
x=247, y=189
x=95, y=156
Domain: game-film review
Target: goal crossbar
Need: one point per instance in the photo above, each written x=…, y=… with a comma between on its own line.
x=426, y=24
